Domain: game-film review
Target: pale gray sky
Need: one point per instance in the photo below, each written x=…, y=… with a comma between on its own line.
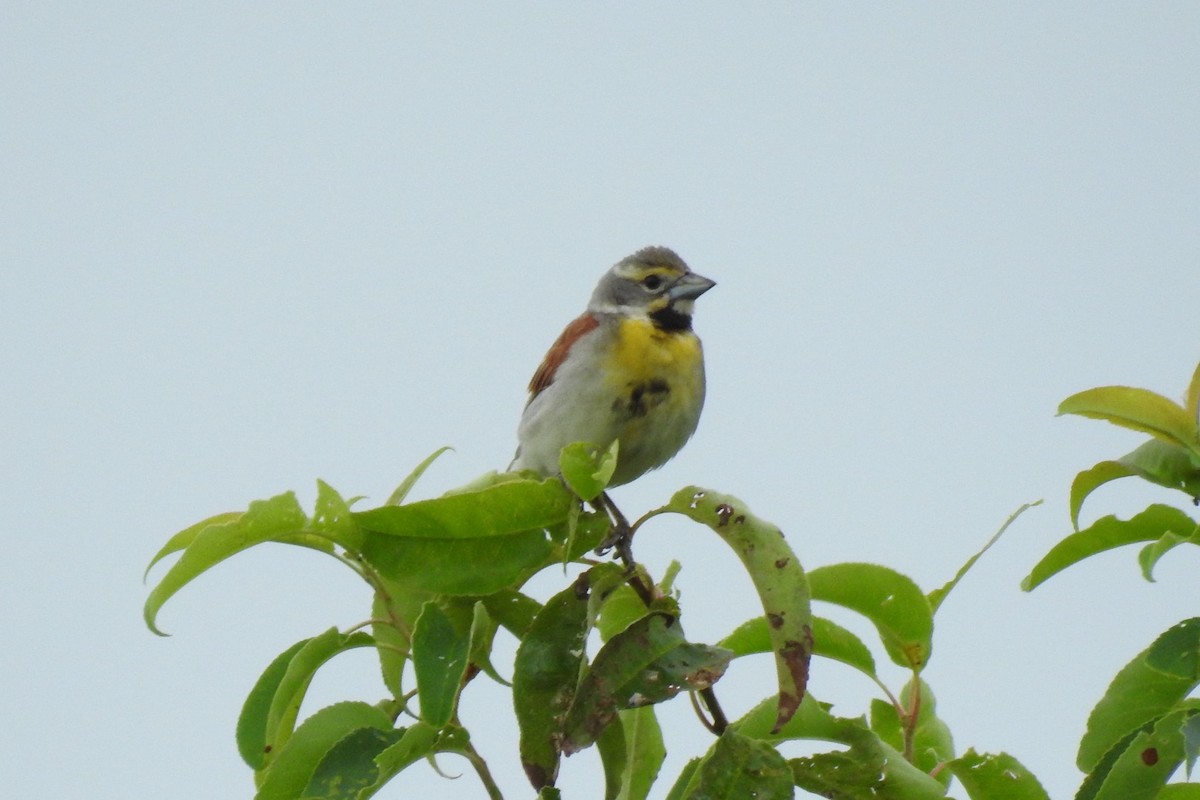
x=250, y=245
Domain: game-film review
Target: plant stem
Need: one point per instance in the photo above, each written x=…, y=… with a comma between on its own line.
x=481, y=769
x=911, y=716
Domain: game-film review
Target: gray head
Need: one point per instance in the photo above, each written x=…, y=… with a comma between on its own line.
x=654, y=283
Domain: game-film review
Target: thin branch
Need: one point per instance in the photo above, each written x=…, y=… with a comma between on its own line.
x=910, y=719
x=481, y=769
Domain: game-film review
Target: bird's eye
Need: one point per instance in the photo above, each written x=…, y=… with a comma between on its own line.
x=652, y=283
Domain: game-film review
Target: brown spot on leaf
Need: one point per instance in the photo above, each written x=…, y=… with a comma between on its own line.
x=776, y=620
x=537, y=775
x=724, y=512
x=740, y=519
x=795, y=656
x=780, y=563
x=1150, y=756
x=788, y=703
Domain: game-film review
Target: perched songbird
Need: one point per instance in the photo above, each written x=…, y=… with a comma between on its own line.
x=630, y=369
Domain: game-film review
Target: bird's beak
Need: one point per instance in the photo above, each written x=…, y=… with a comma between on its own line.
x=689, y=287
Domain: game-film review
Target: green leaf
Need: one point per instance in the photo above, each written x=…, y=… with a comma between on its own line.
x=513, y=610
x=1177, y=652
x=225, y=535
x=546, y=673
x=348, y=770
x=320, y=733
x=830, y=640
x=647, y=662
x=932, y=741
x=332, y=518
x=938, y=595
x=1165, y=465
x=396, y=608
x=621, y=608
x=897, y=606
x=1137, y=409
x=252, y=722
x=1105, y=534
x=811, y=721
x=740, y=767
x=1138, y=766
x=1179, y=791
x=645, y=752
x=587, y=469
x=778, y=578
x=1089, y=480
x=185, y=537
x=418, y=741
x=685, y=777
x=885, y=723
x=1191, y=742
x=504, y=508
x=1149, y=555
x=611, y=747
x=483, y=635
x=869, y=770
x=580, y=534
x=406, y=485
x=472, y=543
x=1149, y=686
x=1192, y=403
x=986, y=776
x=293, y=684
x=440, y=658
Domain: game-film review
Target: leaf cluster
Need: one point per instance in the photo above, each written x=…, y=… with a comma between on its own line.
x=1145, y=726
x=597, y=657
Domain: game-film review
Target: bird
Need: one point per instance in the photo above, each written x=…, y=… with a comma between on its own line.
x=629, y=369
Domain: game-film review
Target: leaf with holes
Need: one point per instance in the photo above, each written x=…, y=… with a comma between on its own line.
x=546, y=675
x=647, y=662
x=870, y=768
x=986, y=776
x=778, y=579
x=737, y=766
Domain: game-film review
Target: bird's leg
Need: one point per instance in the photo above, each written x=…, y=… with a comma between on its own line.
x=620, y=539
x=620, y=535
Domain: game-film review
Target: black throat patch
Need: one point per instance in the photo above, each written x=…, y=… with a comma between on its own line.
x=672, y=321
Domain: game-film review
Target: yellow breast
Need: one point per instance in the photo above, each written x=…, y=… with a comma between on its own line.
x=643, y=353
x=657, y=383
